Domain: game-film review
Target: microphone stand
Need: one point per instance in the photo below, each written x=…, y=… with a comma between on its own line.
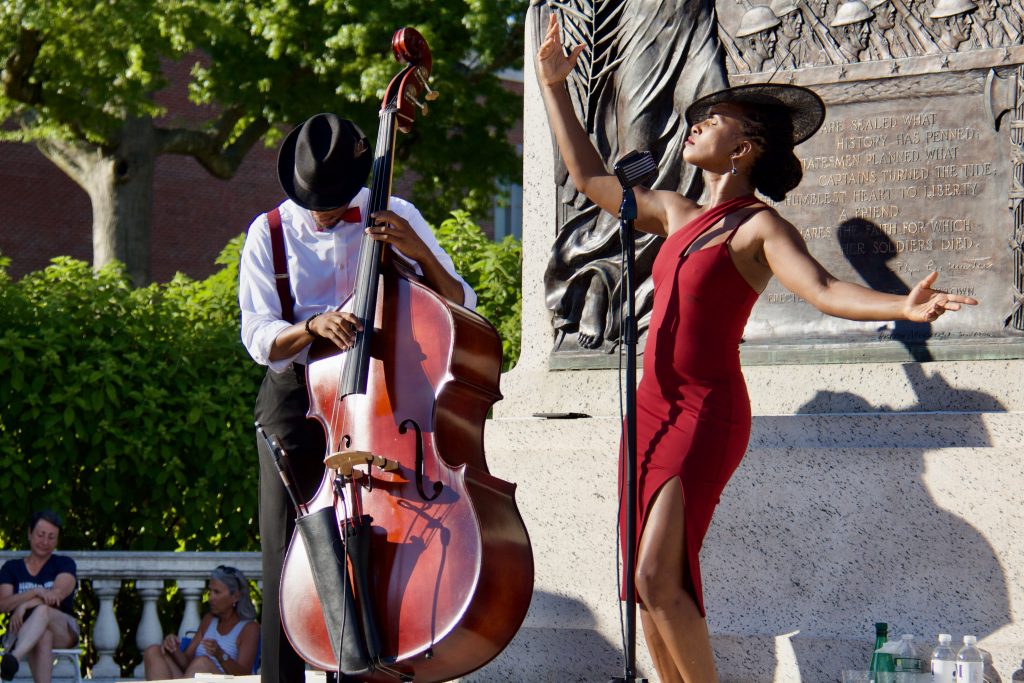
x=627, y=214
x=630, y=170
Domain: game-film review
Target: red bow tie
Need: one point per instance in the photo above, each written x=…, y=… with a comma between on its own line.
x=351, y=215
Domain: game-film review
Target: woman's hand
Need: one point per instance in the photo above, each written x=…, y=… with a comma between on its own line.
x=338, y=326
x=18, y=616
x=171, y=644
x=213, y=648
x=553, y=66
x=924, y=304
x=50, y=597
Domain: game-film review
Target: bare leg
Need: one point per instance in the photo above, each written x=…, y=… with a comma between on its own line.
x=659, y=581
x=158, y=665
x=663, y=663
x=40, y=658
x=45, y=629
x=31, y=631
x=53, y=631
x=201, y=665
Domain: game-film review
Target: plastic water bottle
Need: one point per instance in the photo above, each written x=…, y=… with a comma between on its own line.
x=944, y=660
x=906, y=658
x=970, y=667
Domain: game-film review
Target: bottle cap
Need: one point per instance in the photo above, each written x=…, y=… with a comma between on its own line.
x=881, y=627
x=945, y=638
x=970, y=640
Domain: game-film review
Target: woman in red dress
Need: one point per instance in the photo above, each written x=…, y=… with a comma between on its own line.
x=693, y=413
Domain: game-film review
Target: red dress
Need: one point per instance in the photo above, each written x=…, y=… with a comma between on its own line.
x=693, y=412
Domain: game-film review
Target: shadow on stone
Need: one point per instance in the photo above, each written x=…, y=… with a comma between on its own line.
x=559, y=643
x=839, y=542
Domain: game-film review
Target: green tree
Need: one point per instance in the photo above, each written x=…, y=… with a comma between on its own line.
x=495, y=272
x=80, y=80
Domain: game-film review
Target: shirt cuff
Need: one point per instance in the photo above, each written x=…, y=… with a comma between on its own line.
x=267, y=335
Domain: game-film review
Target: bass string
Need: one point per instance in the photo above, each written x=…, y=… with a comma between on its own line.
x=380, y=190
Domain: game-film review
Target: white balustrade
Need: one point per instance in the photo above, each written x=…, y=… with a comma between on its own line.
x=106, y=570
x=192, y=591
x=106, y=634
x=149, y=631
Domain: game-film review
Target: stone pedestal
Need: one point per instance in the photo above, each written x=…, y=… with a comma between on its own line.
x=859, y=500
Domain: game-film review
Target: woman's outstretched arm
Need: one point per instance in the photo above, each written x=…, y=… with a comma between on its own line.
x=798, y=271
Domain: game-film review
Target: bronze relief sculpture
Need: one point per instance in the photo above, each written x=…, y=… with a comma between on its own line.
x=645, y=61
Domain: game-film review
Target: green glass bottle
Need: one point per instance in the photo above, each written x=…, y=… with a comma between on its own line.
x=882, y=665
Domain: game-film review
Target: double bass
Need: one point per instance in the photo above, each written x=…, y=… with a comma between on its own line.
x=430, y=565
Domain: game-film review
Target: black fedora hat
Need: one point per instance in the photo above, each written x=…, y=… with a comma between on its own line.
x=324, y=162
x=803, y=106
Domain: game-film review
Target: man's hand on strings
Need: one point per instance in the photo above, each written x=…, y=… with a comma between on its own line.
x=390, y=228
x=338, y=326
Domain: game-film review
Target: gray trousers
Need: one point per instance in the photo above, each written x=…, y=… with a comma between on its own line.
x=281, y=408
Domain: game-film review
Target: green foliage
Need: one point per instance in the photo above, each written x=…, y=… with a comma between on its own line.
x=80, y=71
x=128, y=410
x=494, y=271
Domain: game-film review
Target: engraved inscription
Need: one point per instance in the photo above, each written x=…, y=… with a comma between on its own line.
x=888, y=198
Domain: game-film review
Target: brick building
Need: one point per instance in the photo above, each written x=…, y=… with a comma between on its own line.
x=46, y=214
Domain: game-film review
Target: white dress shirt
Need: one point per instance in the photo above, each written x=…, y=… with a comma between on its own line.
x=321, y=268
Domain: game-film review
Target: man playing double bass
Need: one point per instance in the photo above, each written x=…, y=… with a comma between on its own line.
x=298, y=265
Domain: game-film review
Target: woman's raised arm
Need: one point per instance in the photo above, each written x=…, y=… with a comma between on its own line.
x=581, y=158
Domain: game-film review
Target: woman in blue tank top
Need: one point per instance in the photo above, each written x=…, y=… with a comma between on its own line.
x=227, y=640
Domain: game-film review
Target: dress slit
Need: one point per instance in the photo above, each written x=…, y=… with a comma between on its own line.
x=688, y=564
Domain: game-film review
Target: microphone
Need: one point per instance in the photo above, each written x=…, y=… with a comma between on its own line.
x=280, y=457
x=634, y=168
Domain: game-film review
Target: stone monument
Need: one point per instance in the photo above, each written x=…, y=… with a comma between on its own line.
x=883, y=477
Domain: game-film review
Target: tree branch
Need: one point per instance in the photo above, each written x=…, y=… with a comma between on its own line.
x=68, y=156
x=228, y=118
x=208, y=147
x=18, y=67
x=182, y=141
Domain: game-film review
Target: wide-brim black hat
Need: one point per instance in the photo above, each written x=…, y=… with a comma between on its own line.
x=324, y=162
x=803, y=106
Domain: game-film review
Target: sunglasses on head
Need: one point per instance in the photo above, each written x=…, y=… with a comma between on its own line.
x=227, y=570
